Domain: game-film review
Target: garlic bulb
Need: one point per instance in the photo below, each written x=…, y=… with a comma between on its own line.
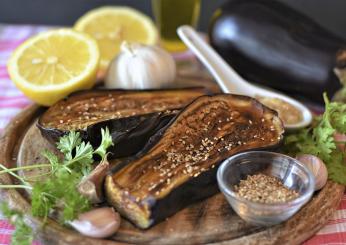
x=99, y=223
x=317, y=167
x=140, y=66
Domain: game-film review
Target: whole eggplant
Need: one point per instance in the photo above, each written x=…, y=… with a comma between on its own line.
x=272, y=44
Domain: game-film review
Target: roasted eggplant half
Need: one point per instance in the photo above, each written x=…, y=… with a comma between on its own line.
x=84, y=109
x=178, y=165
x=272, y=44
x=130, y=134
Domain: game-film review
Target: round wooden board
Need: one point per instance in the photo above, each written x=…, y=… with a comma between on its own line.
x=210, y=221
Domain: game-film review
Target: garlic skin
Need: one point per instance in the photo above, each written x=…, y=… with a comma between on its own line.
x=140, y=66
x=97, y=223
x=317, y=167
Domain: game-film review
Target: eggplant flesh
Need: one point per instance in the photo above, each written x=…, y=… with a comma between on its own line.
x=86, y=108
x=178, y=165
x=272, y=44
x=132, y=116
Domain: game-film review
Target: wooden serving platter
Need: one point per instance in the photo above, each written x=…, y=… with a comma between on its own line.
x=210, y=221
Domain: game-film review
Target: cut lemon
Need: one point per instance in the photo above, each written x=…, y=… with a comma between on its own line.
x=51, y=65
x=110, y=26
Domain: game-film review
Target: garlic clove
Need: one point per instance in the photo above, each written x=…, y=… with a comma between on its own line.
x=340, y=140
x=317, y=167
x=91, y=186
x=88, y=189
x=98, y=223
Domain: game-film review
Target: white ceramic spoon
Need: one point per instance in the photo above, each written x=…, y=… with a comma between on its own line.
x=229, y=80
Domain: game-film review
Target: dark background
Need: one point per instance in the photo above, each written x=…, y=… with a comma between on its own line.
x=329, y=13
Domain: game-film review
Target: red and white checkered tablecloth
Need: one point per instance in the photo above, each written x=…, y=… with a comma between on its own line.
x=13, y=101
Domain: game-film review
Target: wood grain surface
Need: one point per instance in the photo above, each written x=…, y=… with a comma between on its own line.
x=211, y=221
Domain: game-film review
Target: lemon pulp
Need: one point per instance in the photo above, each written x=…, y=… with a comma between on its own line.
x=110, y=26
x=53, y=64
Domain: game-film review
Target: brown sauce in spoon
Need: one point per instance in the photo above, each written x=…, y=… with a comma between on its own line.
x=288, y=113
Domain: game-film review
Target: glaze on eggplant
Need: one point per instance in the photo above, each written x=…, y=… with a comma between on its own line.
x=132, y=116
x=272, y=44
x=178, y=165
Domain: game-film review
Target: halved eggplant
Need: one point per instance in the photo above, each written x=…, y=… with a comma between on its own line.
x=129, y=134
x=84, y=109
x=178, y=165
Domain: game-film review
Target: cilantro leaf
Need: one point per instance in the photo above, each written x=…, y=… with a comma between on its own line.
x=324, y=140
x=105, y=143
x=337, y=115
x=73, y=204
x=83, y=158
x=52, y=158
x=68, y=142
x=42, y=198
x=319, y=140
x=336, y=168
x=59, y=192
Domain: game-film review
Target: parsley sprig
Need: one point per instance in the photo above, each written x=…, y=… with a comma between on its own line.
x=58, y=190
x=319, y=140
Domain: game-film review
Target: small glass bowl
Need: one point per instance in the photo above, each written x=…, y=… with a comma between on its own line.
x=290, y=171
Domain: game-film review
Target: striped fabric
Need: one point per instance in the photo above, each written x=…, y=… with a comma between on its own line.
x=13, y=101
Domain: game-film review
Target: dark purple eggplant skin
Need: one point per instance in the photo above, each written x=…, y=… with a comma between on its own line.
x=272, y=44
x=129, y=135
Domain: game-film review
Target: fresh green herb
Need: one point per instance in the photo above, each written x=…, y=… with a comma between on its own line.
x=105, y=143
x=58, y=191
x=319, y=140
x=23, y=235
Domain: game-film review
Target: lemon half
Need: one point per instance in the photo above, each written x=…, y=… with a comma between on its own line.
x=50, y=65
x=110, y=26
